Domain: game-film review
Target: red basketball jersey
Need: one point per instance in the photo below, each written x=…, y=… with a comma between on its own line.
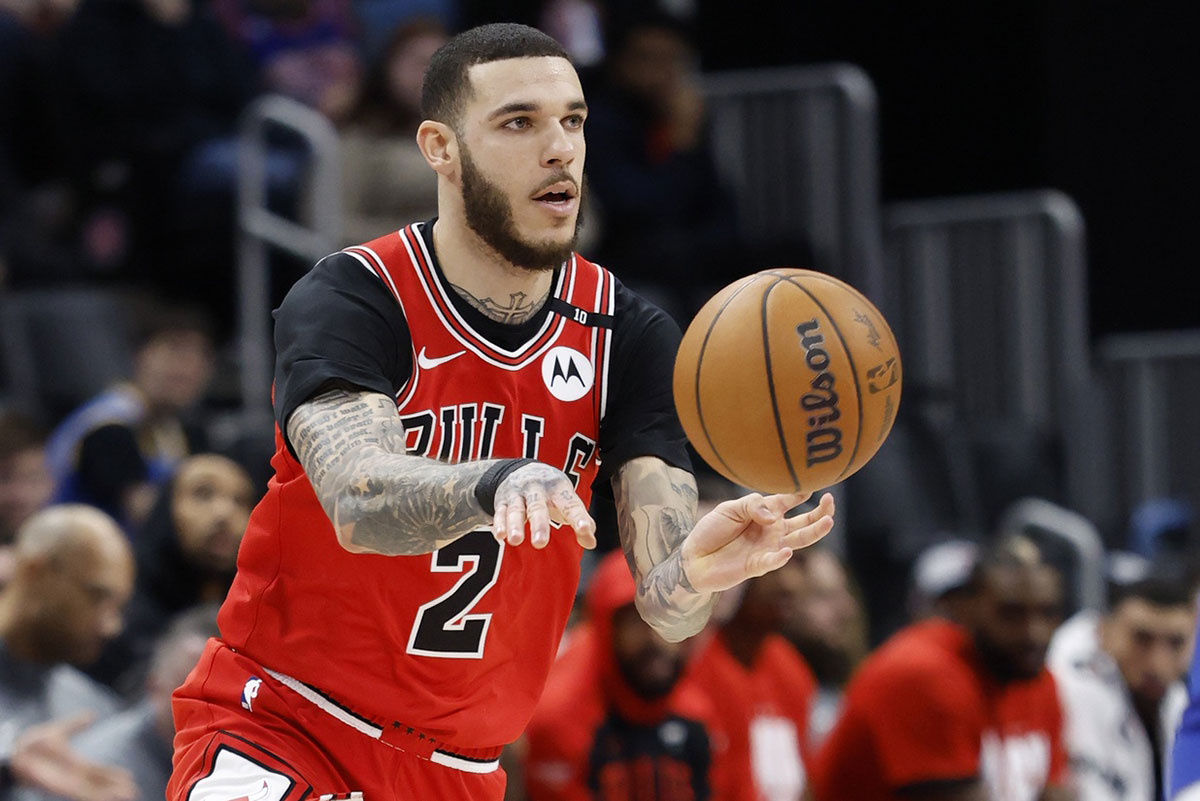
x=457, y=643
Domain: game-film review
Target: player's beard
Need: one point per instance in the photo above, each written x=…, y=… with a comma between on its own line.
x=489, y=214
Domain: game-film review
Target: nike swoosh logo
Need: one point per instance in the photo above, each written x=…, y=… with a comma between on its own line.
x=426, y=363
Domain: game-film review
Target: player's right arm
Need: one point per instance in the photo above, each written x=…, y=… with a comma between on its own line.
x=382, y=500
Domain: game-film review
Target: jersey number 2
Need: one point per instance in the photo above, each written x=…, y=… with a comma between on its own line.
x=444, y=627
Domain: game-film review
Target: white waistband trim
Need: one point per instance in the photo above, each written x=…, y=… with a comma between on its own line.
x=371, y=730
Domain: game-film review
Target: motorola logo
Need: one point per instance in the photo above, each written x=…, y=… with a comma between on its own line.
x=568, y=373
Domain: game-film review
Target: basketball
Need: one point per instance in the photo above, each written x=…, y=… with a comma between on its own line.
x=787, y=381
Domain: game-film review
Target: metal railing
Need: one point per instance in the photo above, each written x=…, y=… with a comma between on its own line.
x=260, y=228
x=1041, y=520
x=1152, y=381
x=988, y=299
x=799, y=148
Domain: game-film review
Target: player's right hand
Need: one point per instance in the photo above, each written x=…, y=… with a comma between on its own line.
x=538, y=494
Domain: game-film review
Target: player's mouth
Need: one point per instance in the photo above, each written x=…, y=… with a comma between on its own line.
x=560, y=198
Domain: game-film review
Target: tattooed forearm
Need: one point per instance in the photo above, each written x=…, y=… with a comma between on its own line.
x=656, y=508
x=380, y=499
x=519, y=307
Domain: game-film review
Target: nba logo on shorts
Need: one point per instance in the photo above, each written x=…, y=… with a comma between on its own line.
x=250, y=692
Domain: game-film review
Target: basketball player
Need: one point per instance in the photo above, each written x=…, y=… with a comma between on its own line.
x=442, y=394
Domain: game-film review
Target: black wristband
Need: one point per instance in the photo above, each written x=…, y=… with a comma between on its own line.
x=485, y=490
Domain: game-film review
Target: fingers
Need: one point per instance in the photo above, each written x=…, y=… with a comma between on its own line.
x=70, y=726
x=764, y=510
x=569, y=509
x=807, y=528
x=540, y=504
x=766, y=561
x=106, y=783
x=514, y=521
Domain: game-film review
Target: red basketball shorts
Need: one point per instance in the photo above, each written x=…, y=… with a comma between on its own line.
x=244, y=733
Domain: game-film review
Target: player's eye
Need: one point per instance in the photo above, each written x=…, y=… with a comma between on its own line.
x=519, y=123
x=574, y=121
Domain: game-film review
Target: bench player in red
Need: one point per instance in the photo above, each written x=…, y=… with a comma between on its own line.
x=443, y=394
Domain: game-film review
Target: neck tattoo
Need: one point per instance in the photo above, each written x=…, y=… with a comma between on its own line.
x=519, y=308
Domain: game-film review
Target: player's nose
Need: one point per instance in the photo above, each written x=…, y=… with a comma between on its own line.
x=559, y=148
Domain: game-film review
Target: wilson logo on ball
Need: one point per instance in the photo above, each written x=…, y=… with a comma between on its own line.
x=823, y=440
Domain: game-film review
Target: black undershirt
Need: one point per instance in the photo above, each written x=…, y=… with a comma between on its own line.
x=339, y=323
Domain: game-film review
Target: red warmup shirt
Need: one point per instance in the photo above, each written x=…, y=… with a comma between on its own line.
x=593, y=738
x=761, y=718
x=456, y=644
x=921, y=709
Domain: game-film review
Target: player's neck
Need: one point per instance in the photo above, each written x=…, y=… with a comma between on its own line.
x=499, y=289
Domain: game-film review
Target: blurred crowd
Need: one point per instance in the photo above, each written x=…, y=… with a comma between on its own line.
x=878, y=662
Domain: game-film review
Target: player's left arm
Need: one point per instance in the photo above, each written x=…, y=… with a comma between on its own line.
x=680, y=563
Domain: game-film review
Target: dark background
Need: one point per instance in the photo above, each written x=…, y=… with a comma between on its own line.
x=1092, y=98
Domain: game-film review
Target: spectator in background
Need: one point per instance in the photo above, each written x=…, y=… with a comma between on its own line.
x=118, y=448
x=1120, y=678
x=618, y=724
x=25, y=484
x=186, y=554
x=949, y=711
x=138, y=740
x=941, y=580
x=665, y=217
x=305, y=49
x=74, y=573
x=384, y=176
x=828, y=626
x=761, y=689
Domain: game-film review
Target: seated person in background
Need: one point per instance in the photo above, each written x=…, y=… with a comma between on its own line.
x=761, y=689
x=118, y=448
x=959, y=712
x=25, y=485
x=828, y=626
x=941, y=580
x=186, y=555
x=618, y=723
x=139, y=739
x=1120, y=676
x=666, y=219
x=74, y=573
x=384, y=176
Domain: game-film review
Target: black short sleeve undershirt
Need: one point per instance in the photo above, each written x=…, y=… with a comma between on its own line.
x=641, y=419
x=340, y=323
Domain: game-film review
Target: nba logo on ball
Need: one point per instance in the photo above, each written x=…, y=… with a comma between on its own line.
x=568, y=373
x=787, y=381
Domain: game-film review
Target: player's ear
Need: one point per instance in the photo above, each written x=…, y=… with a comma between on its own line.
x=439, y=146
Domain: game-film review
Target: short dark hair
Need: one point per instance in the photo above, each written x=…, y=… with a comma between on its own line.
x=447, y=86
x=1154, y=590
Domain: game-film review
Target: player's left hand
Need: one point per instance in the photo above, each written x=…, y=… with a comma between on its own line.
x=750, y=536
